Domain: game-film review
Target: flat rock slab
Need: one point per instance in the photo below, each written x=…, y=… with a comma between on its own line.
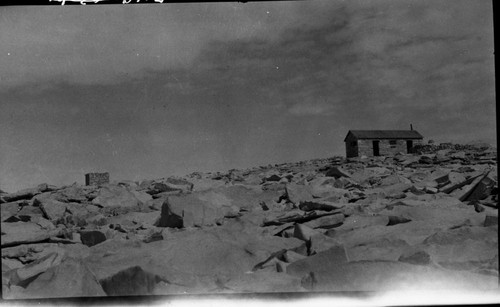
x=22, y=276
x=74, y=193
x=325, y=188
x=321, y=242
x=141, y=196
x=383, y=249
x=22, y=194
x=363, y=175
x=192, y=259
x=32, y=252
x=469, y=255
x=295, y=193
x=321, y=261
x=246, y=196
x=394, y=179
x=27, y=252
x=441, y=201
x=461, y=234
x=71, y=278
x=413, y=232
x=10, y=264
x=51, y=208
x=115, y=196
x=261, y=246
x=8, y=209
x=31, y=212
x=197, y=209
x=464, y=248
x=250, y=223
x=24, y=232
x=262, y=282
x=395, y=189
x=443, y=216
x=392, y=276
x=326, y=222
x=303, y=232
x=319, y=204
x=153, y=187
x=145, y=219
x=356, y=221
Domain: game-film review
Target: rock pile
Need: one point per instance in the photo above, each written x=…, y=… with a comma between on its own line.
x=422, y=221
x=479, y=148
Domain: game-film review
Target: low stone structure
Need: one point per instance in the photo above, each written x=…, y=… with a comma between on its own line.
x=380, y=142
x=96, y=178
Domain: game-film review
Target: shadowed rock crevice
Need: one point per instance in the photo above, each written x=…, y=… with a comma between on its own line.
x=131, y=281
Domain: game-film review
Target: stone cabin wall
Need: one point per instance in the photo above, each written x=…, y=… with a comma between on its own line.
x=365, y=147
x=351, y=146
x=386, y=147
x=96, y=178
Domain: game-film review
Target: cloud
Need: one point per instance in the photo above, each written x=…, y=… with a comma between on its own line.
x=381, y=64
x=311, y=109
x=111, y=43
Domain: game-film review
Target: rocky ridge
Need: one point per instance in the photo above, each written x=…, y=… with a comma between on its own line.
x=371, y=224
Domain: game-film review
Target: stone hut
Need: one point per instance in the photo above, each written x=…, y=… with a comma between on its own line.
x=96, y=178
x=380, y=142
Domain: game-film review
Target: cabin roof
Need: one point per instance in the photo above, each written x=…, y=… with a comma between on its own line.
x=384, y=134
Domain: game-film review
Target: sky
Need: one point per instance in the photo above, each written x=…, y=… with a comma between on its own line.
x=147, y=91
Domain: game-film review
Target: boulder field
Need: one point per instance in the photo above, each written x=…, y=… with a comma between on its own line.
x=409, y=221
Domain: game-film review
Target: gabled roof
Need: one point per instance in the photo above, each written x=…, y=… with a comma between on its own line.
x=384, y=134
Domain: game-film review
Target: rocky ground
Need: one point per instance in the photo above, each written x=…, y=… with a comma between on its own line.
x=423, y=221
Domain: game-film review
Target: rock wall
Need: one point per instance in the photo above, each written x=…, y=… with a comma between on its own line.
x=432, y=148
x=386, y=147
x=351, y=146
x=96, y=178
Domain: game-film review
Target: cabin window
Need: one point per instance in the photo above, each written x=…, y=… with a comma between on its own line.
x=354, y=144
x=393, y=143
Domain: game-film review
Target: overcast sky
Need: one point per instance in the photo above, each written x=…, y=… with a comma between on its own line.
x=148, y=91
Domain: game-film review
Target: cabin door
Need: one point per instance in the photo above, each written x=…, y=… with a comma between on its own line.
x=409, y=146
x=376, y=151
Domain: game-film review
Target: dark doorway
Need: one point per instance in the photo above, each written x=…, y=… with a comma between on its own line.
x=376, y=151
x=409, y=146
